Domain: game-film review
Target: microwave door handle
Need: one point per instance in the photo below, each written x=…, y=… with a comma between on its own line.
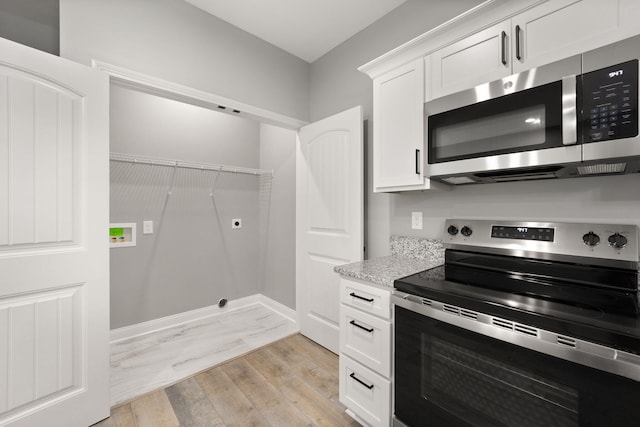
x=569, y=111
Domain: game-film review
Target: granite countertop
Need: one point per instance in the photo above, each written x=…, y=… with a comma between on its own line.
x=409, y=255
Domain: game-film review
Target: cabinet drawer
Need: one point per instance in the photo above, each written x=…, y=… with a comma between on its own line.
x=365, y=393
x=365, y=297
x=366, y=338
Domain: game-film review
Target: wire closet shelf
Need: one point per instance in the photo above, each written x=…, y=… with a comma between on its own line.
x=146, y=160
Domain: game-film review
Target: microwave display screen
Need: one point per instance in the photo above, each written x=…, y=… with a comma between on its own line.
x=610, y=102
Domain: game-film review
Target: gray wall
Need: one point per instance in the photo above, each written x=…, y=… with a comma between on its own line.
x=194, y=257
x=178, y=42
x=34, y=23
x=278, y=215
x=614, y=199
x=336, y=85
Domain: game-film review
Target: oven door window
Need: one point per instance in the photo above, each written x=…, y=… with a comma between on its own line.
x=449, y=376
x=522, y=121
x=489, y=392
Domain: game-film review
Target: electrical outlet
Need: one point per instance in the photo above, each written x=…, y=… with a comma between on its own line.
x=236, y=223
x=147, y=227
x=416, y=220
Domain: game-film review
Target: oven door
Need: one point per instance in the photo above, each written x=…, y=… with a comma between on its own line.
x=524, y=120
x=446, y=375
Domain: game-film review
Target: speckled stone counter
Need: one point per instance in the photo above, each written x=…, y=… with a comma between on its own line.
x=409, y=255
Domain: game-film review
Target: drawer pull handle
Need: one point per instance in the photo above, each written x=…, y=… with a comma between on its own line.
x=353, y=375
x=353, y=294
x=353, y=322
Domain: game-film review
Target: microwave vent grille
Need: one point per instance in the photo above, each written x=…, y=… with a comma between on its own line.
x=602, y=168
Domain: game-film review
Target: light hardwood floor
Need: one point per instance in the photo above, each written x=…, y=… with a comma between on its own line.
x=292, y=382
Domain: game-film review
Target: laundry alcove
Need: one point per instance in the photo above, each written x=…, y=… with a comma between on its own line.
x=191, y=171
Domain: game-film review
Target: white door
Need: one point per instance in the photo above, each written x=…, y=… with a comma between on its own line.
x=329, y=211
x=54, y=288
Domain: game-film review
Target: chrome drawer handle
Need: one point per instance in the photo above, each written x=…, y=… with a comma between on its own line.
x=353, y=322
x=353, y=294
x=353, y=375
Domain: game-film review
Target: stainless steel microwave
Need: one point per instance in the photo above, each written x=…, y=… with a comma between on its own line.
x=575, y=117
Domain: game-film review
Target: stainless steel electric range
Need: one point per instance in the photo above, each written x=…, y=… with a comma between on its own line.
x=526, y=324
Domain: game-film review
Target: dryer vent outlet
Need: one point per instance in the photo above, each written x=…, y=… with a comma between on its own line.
x=222, y=302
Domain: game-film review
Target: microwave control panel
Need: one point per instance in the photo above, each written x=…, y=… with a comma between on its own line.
x=610, y=102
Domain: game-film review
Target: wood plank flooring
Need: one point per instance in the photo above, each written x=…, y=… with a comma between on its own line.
x=291, y=382
x=155, y=360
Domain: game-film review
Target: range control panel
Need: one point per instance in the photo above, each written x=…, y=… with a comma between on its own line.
x=604, y=241
x=610, y=102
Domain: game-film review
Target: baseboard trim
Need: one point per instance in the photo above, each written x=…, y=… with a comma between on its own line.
x=139, y=329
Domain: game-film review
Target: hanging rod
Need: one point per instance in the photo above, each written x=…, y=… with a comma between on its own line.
x=146, y=160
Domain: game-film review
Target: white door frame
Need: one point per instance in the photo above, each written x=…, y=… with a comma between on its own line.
x=189, y=95
x=177, y=92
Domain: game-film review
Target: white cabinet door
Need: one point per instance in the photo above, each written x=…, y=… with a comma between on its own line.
x=556, y=30
x=398, y=134
x=366, y=338
x=365, y=393
x=54, y=254
x=329, y=212
x=480, y=58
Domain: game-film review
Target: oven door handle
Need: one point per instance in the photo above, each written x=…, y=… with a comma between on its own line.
x=543, y=341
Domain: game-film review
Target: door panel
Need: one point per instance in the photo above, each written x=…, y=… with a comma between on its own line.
x=54, y=298
x=481, y=52
x=329, y=210
x=39, y=151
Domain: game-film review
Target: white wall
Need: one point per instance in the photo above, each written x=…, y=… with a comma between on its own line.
x=614, y=199
x=175, y=41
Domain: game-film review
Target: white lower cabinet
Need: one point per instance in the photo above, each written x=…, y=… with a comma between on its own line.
x=365, y=352
x=365, y=393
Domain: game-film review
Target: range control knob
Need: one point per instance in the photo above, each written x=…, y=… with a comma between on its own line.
x=466, y=231
x=591, y=239
x=617, y=241
x=452, y=230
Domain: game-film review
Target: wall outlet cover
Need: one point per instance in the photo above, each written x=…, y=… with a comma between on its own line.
x=147, y=227
x=416, y=220
x=236, y=223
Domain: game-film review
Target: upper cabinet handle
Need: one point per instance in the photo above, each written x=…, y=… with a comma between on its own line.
x=417, y=162
x=504, y=48
x=518, y=54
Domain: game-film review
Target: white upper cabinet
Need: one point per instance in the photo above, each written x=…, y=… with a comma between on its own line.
x=512, y=37
x=398, y=131
x=540, y=35
x=558, y=29
x=480, y=58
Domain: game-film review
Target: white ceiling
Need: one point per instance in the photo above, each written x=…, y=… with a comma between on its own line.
x=305, y=28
